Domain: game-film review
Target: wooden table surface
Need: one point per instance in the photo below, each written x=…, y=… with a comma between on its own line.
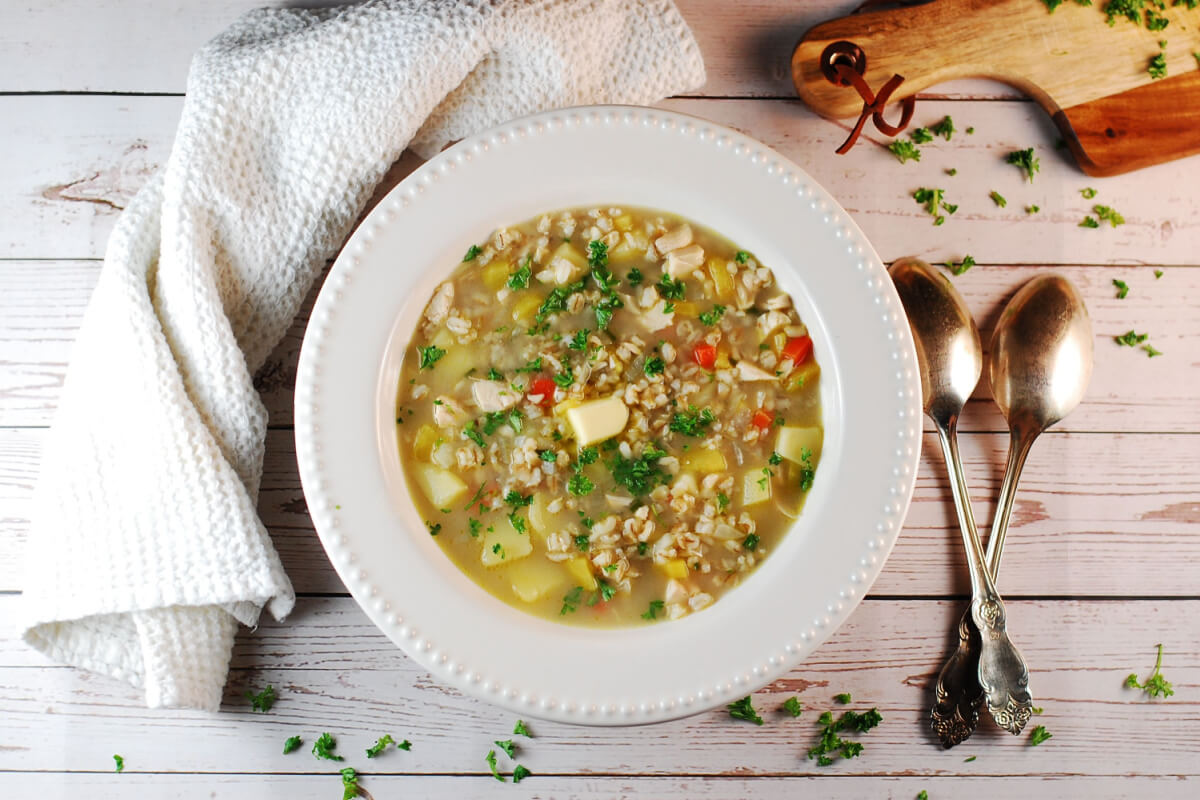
x=1102, y=554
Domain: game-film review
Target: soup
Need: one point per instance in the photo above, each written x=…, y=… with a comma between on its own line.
x=609, y=416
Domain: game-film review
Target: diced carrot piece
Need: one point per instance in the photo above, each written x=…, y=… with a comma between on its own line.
x=543, y=386
x=798, y=348
x=705, y=355
x=762, y=419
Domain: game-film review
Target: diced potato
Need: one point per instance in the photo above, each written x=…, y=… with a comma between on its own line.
x=674, y=568
x=504, y=545
x=577, y=260
x=457, y=361
x=441, y=486
x=722, y=280
x=443, y=339
x=535, y=578
x=722, y=361
x=543, y=520
x=597, y=420
x=526, y=306
x=704, y=460
x=804, y=376
x=756, y=487
x=686, y=309
x=580, y=570
x=791, y=442
x=496, y=274
x=624, y=222
x=423, y=442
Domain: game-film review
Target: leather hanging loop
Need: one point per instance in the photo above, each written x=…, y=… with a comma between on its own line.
x=843, y=64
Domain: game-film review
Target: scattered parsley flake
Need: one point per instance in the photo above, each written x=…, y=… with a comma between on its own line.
x=517, y=500
x=651, y=613
x=469, y=430
x=588, y=455
x=945, y=128
x=578, y=340
x=428, y=356
x=793, y=705
x=518, y=523
x=951, y=172
x=434, y=528
x=905, y=151
x=970, y=130
x=549, y=456
x=924, y=795
x=292, y=743
x=520, y=278
x=323, y=747
x=520, y=773
x=1109, y=215
x=597, y=253
x=571, y=601
x=920, y=135
x=969, y=759
x=350, y=788
x=1089, y=222
x=1032, y=209
x=998, y=198
x=712, y=316
x=741, y=257
x=830, y=745
x=120, y=762
x=843, y=698
x=654, y=366
x=1130, y=338
x=1087, y=193
x=1157, y=67
x=722, y=501
x=583, y=542
x=750, y=542
x=472, y=251
x=1122, y=288
x=1025, y=161
x=490, y=758
x=1039, y=735
x=1158, y=273
x=634, y=277
x=520, y=730
x=934, y=203
x=263, y=700
x=958, y=269
x=565, y=378
x=380, y=745
x=1155, y=685
x=507, y=745
x=744, y=709
x=669, y=289
x=692, y=422
x=639, y=475
x=474, y=525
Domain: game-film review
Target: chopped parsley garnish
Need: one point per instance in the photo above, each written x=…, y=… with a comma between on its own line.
x=605, y=308
x=642, y=548
x=571, y=601
x=905, y=151
x=557, y=299
x=1032, y=209
x=565, y=378
x=597, y=257
x=692, y=422
x=350, y=788
x=969, y=759
x=669, y=289
x=639, y=475
x=1150, y=351
x=1088, y=193
x=538, y=328
x=744, y=709
x=472, y=252
x=951, y=172
x=959, y=269
x=831, y=745
x=924, y=795
x=507, y=745
x=750, y=542
x=1131, y=339
x=634, y=277
x=495, y=375
x=741, y=257
x=1155, y=685
x=429, y=355
x=380, y=745
x=578, y=340
x=1157, y=67
x=323, y=747
x=518, y=523
x=583, y=542
x=793, y=705
x=920, y=135
x=722, y=501
x=1109, y=215
x=520, y=730
x=654, y=366
x=120, y=762
x=605, y=592
x=970, y=130
x=520, y=773
x=712, y=316
x=945, y=128
x=668, y=308
x=291, y=743
x=498, y=548
x=998, y=198
x=434, y=529
x=471, y=433
x=263, y=700
x=807, y=471
x=1122, y=288
x=532, y=366
x=934, y=204
x=843, y=698
x=1089, y=222
x=548, y=456
x=475, y=526
x=1039, y=735
x=1025, y=161
x=520, y=278
x=1158, y=273
x=651, y=613
x=516, y=499
x=588, y=455
x=491, y=762
x=775, y=459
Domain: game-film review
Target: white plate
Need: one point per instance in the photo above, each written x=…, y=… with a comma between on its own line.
x=604, y=156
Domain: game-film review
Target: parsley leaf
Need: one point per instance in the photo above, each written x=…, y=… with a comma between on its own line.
x=531, y=366
x=1131, y=339
x=945, y=128
x=793, y=705
x=1088, y=193
x=967, y=262
x=1157, y=67
x=548, y=456
x=520, y=730
x=434, y=528
x=507, y=745
x=1025, y=161
x=651, y=612
x=291, y=743
x=597, y=257
x=475, y=526
x=750, y=542
x=580, y=485
x=565, y=378
x=934, y=203
x=1089, y=222
x=520, y=772
x=571, y=601
x=998, y=198
x=654, y=366
x=831, y=745
x=350, y=788
x=605, y=308
x=1155, y=685
x=263, y=700
x=843, y=698
x=634, y=277
x=692, y=422
x=669, y=289
x=1109, y=215
x=520, y=278
x=744, y=709
x=120, y=763
x=429, y=356
x=741, y=256
x=490, y=758
x=1032, y=209
x=1150, y=351
x=323, y=747
x=921, y=135
x=380, y=745
x=472, y=251
x=588, y=455
x=905, y=151
x=639, y=475
x=713, y=316
x=1039, y=735
x=722, y=501
x=579, y=340
x=471, y=433
x=1122, y=289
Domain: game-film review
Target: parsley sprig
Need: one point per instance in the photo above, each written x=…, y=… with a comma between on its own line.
x=1025, y=161
x=744, y=709
x=1155, y=685
x=905, y=151
x=934, y=203
x=831, y=745
x=263, y=700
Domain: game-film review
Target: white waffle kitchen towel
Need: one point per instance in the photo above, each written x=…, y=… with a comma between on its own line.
x=146, y=548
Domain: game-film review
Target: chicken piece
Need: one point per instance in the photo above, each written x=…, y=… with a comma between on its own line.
x=439, y=304
x=447, y=412
x=493, y=396
x=748, y=372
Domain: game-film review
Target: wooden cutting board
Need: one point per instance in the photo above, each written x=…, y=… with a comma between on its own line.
x=1090, y=77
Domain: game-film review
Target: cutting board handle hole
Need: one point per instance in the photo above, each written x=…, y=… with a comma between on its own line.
x=842, y=54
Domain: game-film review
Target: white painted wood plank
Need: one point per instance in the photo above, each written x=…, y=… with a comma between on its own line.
x=42, y=304
x=57, y=201
x=334, y=672
x=1097, y=515
x=144, y=46
x=71, y=786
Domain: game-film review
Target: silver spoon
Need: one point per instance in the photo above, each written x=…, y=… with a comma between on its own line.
x=951, y=359
x=1039, y=371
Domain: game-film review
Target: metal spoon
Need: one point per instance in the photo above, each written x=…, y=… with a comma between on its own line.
x=951, y=359
x=1039, y=371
